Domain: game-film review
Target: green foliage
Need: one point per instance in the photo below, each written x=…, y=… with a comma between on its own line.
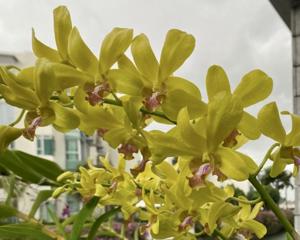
x=118, y=99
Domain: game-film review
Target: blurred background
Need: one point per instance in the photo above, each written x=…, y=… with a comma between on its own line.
x=239, y=35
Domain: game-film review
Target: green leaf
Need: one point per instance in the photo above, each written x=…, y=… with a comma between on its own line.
x=62, y=29
x=178, y=46
x=41, y=197
x=80, y=54
x=113, y=47
x=31, y=168
x=144, y=58
x=103, y=218
x=270, y=124
x=82, y=216
x=43, y=51
x=254, y=87
x=23, y=230
x=216, y=81
x=7, y=211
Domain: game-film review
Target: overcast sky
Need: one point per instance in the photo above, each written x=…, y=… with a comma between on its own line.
x=239, y=35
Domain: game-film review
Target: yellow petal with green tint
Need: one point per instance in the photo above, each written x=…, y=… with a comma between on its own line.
x=117, y=136
x=132, y=106
x=7, y=135
x=173, y=83
x=216, y=81
x=188, y=133
x=178, y=46
x=278, y=167
x=41, y=50
x=224, y=114
x=67, y=77
x=64, y=117
x=234, y=165
x=125, y=82
x=113, y=47
x=293, y=137
x=62, y=29
x=80, y=55
x=254, y=87
x=163, y=145
x=249, y=126
x=256, y=210
x=218, y=211
x=25, y=77
x=16, y=94
x=178, y=99
x=44, y=80
x=144, y=57
x=254, y=226
x=270, y=124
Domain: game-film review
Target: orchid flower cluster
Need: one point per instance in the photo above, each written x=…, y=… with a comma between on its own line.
x=118, y=95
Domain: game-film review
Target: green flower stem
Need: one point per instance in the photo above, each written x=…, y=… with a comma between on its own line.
x=273, y=206
x=12, y=184
x=19, y=118
x=143, y=110
x=220, y=235
x=246, y=201
x=46, y=230
x=267, y=156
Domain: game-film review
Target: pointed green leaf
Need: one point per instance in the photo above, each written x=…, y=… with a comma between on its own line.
x=80, y=54
x=216, y=81
x=270, y=124
x=178, y=46
x=254, y=87
x=7, y=211
x=42, y=196
x=82, y=216
x=23, y=231
x=62, y=29
x=103, y=218
x=113, y=47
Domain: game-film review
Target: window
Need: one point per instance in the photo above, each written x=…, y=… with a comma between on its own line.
x=72, y=151
x=45, y=145
x=44, y=211
x=73, y=202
